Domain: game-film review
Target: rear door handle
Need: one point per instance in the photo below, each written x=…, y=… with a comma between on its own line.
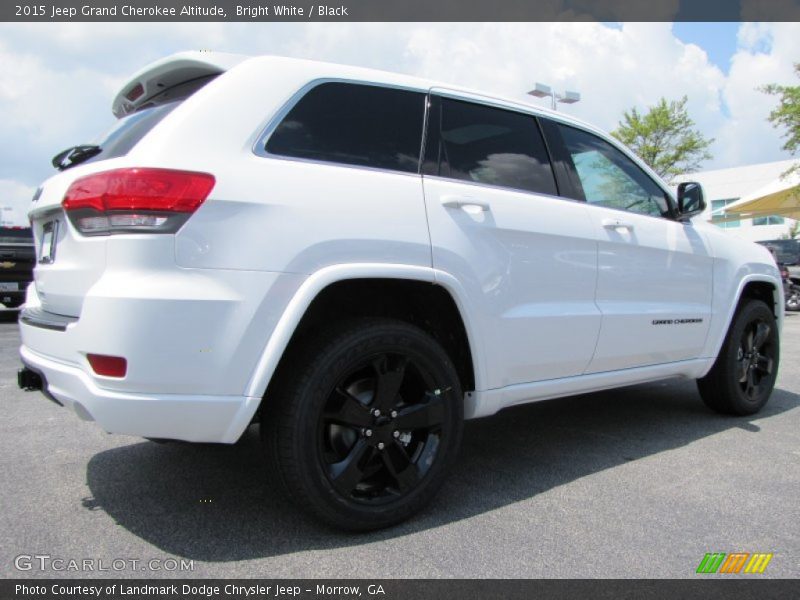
x=617, y=224
x=464, y=202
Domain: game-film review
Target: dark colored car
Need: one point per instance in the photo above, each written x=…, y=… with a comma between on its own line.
x=17, y=259
x=787, y=252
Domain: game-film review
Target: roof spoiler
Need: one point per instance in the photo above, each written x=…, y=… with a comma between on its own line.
x=168, y=72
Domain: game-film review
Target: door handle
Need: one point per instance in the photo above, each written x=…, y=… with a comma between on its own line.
x=464, y=202
x=617, y=224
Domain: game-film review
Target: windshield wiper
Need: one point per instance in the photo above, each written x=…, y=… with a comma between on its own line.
x=75, y=155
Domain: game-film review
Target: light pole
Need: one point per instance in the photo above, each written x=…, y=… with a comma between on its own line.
x=543, y=91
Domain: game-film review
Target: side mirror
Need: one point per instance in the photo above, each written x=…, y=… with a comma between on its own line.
x=690, y=199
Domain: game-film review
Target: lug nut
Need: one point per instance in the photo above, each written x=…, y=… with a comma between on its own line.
x=395, y=434
x=368, y=432
x=376, y=412
x=394, y=414
x=381, y=445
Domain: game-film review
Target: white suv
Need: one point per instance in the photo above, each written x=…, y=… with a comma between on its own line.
x=360, y=260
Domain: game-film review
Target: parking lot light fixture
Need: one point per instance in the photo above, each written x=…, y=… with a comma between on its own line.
x=545, y=91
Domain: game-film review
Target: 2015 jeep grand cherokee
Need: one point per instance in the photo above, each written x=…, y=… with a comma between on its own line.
x=361, y=260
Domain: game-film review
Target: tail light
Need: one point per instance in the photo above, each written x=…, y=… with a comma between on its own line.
x=138, y=200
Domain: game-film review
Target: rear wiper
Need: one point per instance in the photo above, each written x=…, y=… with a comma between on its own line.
x=75, y=155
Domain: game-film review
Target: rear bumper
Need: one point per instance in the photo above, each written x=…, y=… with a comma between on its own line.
x=192, y=339
x=187, y=417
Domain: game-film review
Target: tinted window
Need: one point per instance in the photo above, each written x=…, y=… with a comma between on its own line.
x=354, y=124
x=609, y=178
x=128, y=131
x=489, y=145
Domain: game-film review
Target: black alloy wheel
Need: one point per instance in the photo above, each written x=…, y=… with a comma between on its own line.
x=743, y=376
x=364, y=426
x=380, y=429
x=754, y=358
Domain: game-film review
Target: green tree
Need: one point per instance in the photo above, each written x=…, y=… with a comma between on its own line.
x=787, y=114
x=665, y=138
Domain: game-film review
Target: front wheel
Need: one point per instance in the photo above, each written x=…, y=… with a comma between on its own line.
x=365, y=424
x=743, y=376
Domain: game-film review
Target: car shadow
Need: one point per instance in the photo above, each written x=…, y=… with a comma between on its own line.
x=215, y=502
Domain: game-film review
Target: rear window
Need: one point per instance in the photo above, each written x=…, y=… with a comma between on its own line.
x=786, y=251
x=128, y=131
x=784, y=245
x=354, y=124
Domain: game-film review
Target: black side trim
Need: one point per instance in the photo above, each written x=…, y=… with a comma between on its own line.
x=36, y=317
x=569, y=186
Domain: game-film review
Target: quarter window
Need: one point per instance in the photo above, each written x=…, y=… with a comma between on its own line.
x=611, y=179
x=473, y=142
x=354, y=124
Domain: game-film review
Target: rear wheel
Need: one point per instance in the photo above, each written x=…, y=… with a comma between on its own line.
x=742, y=378
x=364, y=429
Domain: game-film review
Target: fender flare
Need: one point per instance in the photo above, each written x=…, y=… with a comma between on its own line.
x=296, y=308
x=777, y=296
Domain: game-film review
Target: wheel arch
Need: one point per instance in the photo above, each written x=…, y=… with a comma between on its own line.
x=320, y=284
x=759, y=287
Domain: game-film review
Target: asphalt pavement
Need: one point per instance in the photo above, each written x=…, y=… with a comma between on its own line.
x=635, y=482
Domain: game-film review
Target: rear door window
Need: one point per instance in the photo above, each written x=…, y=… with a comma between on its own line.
x=484, y=144
x=354, y=124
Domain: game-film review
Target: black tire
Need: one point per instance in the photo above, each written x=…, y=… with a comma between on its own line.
x=743, y=376
x=337, y=458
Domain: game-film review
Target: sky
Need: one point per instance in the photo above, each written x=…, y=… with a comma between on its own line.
x=57, y=80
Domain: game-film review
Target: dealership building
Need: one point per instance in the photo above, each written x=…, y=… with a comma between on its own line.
x=723, y=187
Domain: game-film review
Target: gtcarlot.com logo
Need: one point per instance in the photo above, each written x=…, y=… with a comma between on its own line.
x=737, y=562
x=46, y=562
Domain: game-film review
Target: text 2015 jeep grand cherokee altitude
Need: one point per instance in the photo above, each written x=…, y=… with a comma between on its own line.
x=361, y=260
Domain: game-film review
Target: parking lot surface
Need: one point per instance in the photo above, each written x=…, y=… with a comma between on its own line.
x=636, y=482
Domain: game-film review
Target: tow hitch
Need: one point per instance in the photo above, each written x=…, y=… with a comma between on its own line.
x=29, y=380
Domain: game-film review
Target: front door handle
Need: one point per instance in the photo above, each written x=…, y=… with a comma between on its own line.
x=464, y=202
x=617, y=224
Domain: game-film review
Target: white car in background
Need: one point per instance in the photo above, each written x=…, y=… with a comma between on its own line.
x=361, y=260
